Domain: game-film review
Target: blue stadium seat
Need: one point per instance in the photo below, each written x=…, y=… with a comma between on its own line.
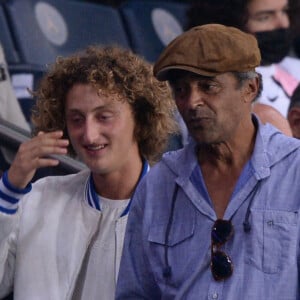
x=151, y=25
x=43, y=30
x=46, y=29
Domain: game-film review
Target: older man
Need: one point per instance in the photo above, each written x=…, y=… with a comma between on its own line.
x=269, y=21
x=218, y=219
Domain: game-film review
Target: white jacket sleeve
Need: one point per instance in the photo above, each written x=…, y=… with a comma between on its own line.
x=9, y=224
x=8, y=236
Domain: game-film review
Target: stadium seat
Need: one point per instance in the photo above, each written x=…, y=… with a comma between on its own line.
x=18, y=70
x=6, y=40
x=151, y=25
x=46, y=29
x=43, y=30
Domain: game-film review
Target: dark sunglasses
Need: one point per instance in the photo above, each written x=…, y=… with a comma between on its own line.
x=221, y=264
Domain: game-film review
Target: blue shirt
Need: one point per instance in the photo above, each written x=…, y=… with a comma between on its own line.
x=167, y=250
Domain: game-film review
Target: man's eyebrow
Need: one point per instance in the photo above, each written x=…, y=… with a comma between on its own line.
x=269, y=11
x=191, y=78
x=263, y=12
x=79, y=111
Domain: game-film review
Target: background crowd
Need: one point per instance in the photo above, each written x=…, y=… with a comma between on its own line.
x=137, y=130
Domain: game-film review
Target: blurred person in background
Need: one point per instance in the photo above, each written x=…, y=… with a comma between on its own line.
x=269, y=114
x=294, y=113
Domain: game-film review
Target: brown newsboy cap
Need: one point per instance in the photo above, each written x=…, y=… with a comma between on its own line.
x=209, y=50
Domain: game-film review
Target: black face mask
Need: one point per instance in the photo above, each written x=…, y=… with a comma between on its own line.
x=274, y=45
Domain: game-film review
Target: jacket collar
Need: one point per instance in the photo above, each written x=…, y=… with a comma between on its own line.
x=93, y=198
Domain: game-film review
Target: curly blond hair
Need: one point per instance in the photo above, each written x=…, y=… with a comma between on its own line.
x=114, y=71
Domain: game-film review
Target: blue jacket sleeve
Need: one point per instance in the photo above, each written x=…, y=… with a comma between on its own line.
x=10, y=196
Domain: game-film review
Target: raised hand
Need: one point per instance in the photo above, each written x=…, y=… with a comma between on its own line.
x=34, y=154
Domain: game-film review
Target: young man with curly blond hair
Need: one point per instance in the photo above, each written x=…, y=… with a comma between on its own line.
x=62, y=237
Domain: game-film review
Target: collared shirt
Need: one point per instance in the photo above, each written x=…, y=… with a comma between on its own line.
x=167, y=247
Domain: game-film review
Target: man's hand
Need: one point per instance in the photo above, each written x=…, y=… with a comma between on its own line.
x=34, y=154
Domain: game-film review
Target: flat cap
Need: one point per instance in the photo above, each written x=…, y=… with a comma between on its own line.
x=209, y=50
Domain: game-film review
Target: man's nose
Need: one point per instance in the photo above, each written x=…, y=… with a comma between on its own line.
x=90, y=131
x=195, y=97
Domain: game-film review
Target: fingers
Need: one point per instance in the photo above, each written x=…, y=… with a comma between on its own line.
x=35, y=154
x=45, y=144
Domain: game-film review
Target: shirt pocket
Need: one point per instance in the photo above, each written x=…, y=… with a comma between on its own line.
x=178, y=233
x=272, y=242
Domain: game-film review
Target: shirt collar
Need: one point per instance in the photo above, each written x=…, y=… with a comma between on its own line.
x=94, y=200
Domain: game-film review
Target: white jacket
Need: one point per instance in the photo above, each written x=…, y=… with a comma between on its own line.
x=42, y=246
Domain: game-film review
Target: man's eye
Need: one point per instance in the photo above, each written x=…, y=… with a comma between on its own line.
x=208, y=87
x=286, y=11
x=104, y=117
x=262, y=18
x=179, y=90
x=76, y=120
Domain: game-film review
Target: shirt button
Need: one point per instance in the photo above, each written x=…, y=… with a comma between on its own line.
x=215, y=295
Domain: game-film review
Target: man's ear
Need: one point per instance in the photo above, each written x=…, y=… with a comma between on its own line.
x=250, y=89
x=294, y=120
